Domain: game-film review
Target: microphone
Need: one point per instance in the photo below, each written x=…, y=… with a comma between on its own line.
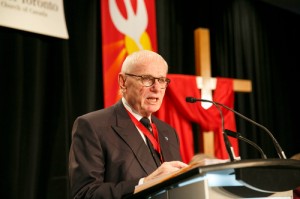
x=228, y=145
x=240, y=137
x=279, y=150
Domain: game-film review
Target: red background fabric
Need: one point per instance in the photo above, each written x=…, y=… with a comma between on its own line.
x=181, y=114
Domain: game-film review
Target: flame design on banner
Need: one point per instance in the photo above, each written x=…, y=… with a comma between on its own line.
x=127, y=26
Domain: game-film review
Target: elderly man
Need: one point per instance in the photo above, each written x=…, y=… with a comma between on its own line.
x=116, y=148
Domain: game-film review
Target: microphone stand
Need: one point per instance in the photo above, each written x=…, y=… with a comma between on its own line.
x=279, y=150
x=228, y=145
x=240, y=137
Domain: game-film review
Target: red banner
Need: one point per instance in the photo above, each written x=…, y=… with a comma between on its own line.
x=127, y=26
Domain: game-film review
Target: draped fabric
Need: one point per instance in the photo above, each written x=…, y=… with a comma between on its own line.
x=180, y=114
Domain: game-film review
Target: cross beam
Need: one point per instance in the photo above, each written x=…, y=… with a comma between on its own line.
x=207, y=83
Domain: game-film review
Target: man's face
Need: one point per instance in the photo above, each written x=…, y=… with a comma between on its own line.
x=145, y=100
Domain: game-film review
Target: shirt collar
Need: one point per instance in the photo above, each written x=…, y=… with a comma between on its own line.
x=132, y=111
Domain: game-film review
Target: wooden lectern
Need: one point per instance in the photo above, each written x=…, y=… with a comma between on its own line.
x=262, y=178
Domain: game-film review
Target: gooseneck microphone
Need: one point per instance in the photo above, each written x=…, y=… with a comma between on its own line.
x=240, y=137
x=228, y=145
x=279, y=150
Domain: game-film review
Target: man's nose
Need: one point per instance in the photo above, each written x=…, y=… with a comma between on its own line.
x=156, y=84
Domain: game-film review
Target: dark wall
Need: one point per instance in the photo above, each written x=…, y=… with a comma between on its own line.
x=46, y=82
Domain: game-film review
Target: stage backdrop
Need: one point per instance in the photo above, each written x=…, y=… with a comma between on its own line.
x=128, y=26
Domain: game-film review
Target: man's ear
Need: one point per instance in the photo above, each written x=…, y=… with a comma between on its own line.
x=121, y=80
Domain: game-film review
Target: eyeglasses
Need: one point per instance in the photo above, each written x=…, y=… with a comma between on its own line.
x=148, y=80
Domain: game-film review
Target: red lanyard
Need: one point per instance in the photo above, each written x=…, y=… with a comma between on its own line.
x=153, y=138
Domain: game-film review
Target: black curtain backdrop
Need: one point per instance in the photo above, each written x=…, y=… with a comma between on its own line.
x=46, y=82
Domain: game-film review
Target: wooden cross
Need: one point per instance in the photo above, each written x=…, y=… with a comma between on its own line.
x=207, y=83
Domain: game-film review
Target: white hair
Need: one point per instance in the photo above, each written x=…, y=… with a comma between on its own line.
x=141, y=58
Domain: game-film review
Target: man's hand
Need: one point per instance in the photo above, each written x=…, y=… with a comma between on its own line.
x=165, y=168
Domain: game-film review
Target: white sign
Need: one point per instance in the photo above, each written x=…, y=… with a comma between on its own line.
x=38, y=16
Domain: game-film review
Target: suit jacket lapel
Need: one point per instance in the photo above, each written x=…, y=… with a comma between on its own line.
x=128, y=132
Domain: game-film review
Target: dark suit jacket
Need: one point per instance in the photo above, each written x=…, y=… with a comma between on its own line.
x=108, y=155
